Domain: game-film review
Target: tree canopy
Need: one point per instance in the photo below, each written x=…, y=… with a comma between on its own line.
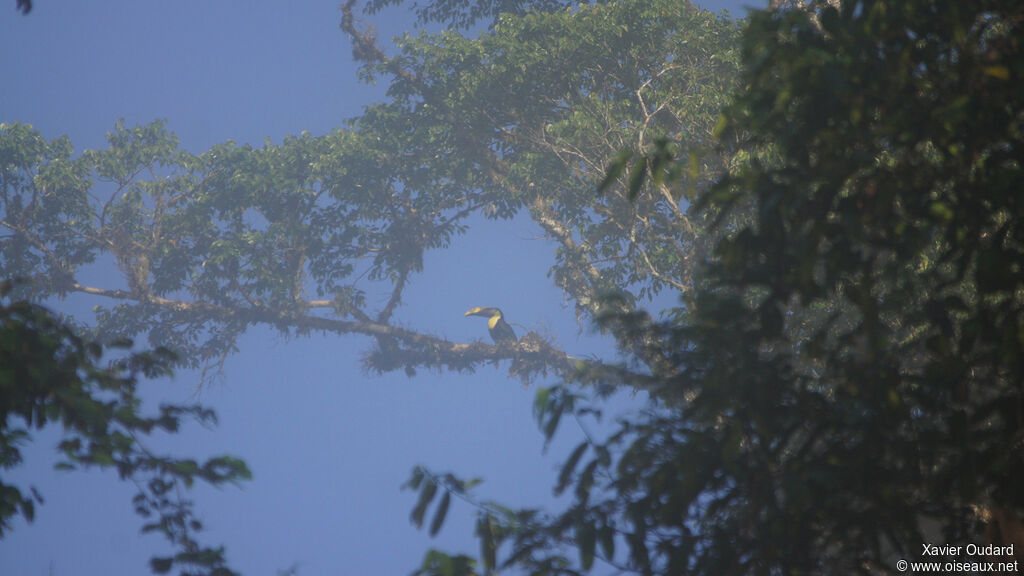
x=847, y=380
x=211, y=244
x=294, y=235
x=831, y=198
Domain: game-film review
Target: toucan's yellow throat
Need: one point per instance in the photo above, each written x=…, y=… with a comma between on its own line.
x=500, y=330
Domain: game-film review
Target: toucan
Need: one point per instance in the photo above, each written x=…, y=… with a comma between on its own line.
x=500, y=331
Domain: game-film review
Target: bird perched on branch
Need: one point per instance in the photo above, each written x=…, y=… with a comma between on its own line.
x=500, y=331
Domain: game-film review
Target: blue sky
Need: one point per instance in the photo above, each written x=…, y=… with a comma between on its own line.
x=329, y=445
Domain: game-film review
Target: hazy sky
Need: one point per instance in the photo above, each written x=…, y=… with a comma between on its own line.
x=329, y=445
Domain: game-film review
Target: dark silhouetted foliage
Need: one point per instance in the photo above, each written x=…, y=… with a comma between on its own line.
x=51, y=376
x=847, y=376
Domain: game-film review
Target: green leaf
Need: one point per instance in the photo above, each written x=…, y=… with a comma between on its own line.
x=28, y=509
x=426, y=496
x=615, y=169
x=693, y=171
x=586, y=540
x=636, y=179
x=161, y=565
x=540, y=404
x=416, y=478
x=607, y=538
x=488, y=548
x=551, y=426
x=440, y=513
x=586, y=481
x=569, y=466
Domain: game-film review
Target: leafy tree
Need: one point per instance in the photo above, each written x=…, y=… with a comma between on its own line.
x=840, y=384
x=293, y=235
x=214, y=243
x=894, y=193
x=848, y=376
x=897, y=127
x=842, y=380
x=49, y=374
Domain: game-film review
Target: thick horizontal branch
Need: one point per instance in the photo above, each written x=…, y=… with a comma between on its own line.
x=530, y=357
x=397, y=348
